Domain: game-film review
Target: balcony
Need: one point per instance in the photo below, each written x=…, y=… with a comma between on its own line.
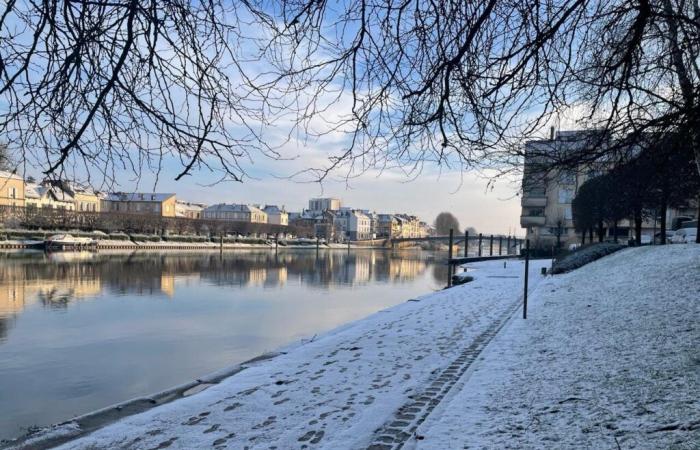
x=528, y=221
x=534, y=201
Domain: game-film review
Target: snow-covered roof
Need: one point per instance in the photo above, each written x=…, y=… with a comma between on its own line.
x=273, y=209
x=37, y=191
x=137, y=197
x=232, y=207
x=10, y=175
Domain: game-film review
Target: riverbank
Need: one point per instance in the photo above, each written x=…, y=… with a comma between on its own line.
x=606, y=359
x=149, y=245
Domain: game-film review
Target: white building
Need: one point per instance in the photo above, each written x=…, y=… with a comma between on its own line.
x=276, y=216
x=47, y=196
x=359, y=225
x=189, y=210
x=319, y=205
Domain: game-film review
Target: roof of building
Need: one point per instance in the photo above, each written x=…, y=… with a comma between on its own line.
x=35, y=190
x=273, y=209
x=137, y=197
x=232, y=207
x=10, y=175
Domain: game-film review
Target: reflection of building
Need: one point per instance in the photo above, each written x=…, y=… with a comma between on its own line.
x=140, y=203
x=257, y=275
x=11, y=189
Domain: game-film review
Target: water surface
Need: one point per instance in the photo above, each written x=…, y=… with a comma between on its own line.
x=81, y=331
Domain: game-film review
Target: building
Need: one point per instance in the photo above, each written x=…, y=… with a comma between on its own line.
x=85, y=198
x=162, y=205
x=11, y=189
x=235, y=213
x=409, y=226
x=324, y=204
x=46, y=196
x=547, y=194
x=188, y=210
x=388, y=226
x=276, y=216
x=359, y=225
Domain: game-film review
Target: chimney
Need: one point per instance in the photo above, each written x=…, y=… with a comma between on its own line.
x=551, y=133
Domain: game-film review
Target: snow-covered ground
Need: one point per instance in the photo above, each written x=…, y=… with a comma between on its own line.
x=333, y=391
x=609, y=357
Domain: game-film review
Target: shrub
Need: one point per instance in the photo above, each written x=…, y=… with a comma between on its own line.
x=585, y=255
x=175, y=238
x=145, y=237
x=118, y=237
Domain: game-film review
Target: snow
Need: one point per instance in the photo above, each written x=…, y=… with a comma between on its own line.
x=331, y=391
x=608, y=358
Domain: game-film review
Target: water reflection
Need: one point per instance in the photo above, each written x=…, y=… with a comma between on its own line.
x=82, y=331
x=56, y=280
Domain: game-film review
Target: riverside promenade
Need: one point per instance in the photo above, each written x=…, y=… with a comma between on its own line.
x=606, y=359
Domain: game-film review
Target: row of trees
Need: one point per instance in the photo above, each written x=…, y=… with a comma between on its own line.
x=657, y=178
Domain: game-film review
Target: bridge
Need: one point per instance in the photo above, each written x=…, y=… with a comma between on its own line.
x=485, y=245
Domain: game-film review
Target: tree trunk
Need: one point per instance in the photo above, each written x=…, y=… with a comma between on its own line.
x=697, y=229
x=600, y=231
x=583, y=238
x=590, y=234
x=615, y=231
x=638, y=227
x=662, y=221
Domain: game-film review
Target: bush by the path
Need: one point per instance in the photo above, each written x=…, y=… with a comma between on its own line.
x=585, y=255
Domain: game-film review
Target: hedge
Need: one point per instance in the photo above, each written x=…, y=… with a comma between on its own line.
x=585, y=255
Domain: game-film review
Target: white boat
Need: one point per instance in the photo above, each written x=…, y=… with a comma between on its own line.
x=67, y=241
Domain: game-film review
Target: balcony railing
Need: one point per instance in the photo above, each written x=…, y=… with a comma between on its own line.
x=527, y=221
x=534, y=201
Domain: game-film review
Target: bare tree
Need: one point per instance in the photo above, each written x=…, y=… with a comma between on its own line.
x=108, y=86
x=124, y=84
x=444, y=222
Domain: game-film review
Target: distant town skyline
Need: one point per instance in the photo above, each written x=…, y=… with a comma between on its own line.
x=495, y=211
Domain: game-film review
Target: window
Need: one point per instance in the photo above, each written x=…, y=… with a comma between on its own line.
x=567, y=213
x=566, y=195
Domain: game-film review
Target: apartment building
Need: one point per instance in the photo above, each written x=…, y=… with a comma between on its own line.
x=276, y=216
x=11, y=189
x=547, y=194
x=140, y=203
x=235, y=213
x=359, y=225
x=85, y=198
x=324, y=204
x=188, y=210
x=46, y=196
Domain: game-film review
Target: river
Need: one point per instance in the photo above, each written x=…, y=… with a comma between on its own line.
x=81, y=331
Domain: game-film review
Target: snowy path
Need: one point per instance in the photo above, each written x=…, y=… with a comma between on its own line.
x=609, y=358
x=336, y=391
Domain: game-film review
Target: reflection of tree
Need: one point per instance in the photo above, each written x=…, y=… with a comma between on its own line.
x=5, y=325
